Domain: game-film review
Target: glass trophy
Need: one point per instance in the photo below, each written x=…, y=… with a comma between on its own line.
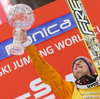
x=21, y=17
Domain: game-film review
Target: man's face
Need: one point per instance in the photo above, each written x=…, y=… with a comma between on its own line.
x=80, y=69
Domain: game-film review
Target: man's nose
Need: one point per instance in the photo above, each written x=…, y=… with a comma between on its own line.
x=77, y=63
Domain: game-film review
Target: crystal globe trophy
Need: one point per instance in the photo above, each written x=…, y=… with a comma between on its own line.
x=21, y=17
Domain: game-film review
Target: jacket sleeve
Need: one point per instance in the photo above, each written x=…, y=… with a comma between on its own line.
x=49, y=75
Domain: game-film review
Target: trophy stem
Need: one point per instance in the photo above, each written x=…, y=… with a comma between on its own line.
x=16, y=48
x=17, y=35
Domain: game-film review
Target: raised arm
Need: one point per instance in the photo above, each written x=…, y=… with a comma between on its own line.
x=47, y=73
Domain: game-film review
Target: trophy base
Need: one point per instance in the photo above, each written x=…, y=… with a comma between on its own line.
x=16, y=49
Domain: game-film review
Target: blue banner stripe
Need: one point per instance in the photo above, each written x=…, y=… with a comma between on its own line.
x=43, y=32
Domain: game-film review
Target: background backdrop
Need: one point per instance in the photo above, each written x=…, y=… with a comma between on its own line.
x=60, y=44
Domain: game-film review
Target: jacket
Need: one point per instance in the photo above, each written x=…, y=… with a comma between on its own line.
x=62, y=88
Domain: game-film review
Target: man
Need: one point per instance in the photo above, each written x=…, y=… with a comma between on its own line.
x=86, y=85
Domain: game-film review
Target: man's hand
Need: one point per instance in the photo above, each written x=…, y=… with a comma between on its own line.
x=20, y=35
x=23, y=36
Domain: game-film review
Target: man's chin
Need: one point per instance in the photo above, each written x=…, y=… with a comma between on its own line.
x=79, y=71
